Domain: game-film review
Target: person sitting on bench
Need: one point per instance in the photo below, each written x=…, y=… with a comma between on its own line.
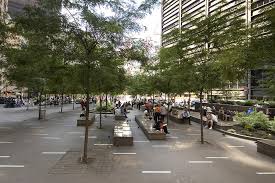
x=186, y=115
x=159, y=125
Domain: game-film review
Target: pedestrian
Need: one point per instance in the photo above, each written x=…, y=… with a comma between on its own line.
x=163, y=112
x=157, y=111
x=123, y=110
x=249, y=111
x=82, y=103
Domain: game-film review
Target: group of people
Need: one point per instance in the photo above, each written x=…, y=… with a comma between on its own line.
x=158, y=113
x=121, y=109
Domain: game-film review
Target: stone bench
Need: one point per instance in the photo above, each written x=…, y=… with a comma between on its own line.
x=223, y=125
x=122, y=134
x=82, y=120
x=179, y=120
x=266, y=147
x=120, y=117
x=147, y=127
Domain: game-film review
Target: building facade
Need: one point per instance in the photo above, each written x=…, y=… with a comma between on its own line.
x=10, y=8
x=3, y=7
x=180, y=13
x=17, y=6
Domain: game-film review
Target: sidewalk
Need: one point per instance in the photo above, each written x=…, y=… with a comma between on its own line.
x=49, y=151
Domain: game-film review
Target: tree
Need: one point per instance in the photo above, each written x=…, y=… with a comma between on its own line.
x=93, y=36
x=204, y=49
x=93, y=32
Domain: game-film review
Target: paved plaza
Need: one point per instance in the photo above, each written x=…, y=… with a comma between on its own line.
x=33, y=151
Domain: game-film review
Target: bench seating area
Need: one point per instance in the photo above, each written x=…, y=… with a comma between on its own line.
x=178, y=120
x=266, y=147
x=147, y=127
x=122, y=134
x=120, y=117
x=223, y=125
x=82, y=120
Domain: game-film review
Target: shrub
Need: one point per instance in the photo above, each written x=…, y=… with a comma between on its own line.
x=249, y=127
x=227, y=102
x=249, y=103
x=240, y=102
x=271, y=105
x=272, y=123
x=256, y=120
x=104, y=108
x=213, y=101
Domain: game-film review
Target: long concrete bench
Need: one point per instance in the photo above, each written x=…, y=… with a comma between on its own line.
x=179, y=120
x=122, y=134
x=223, y=125
x=82, y=120
x=147, y=127
x=266, y=147
x=120, y=117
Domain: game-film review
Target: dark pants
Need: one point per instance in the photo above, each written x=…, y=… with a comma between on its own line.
x=187, y=118
x=157, y=116
x=165, y=129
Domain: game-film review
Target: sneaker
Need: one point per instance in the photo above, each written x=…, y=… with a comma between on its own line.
x=210, y=128
x=205, y=126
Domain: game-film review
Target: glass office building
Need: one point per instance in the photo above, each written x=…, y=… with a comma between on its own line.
x=180, y=13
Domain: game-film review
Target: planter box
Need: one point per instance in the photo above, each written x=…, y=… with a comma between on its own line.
x=240, y=108
x=149, y=131
x=82, y=121
x=120, y=117
x=122, y=134
x=266, y=147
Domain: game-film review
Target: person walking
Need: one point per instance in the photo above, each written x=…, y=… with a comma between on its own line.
x=82, y=103
x=163, y=112
x=157, y=111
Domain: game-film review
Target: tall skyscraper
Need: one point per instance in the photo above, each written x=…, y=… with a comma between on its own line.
x=180, y=13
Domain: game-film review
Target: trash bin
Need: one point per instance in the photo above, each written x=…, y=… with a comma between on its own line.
x=42, y=114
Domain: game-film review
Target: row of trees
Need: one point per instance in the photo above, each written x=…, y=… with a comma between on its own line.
x=211, y=52
x=72, y=47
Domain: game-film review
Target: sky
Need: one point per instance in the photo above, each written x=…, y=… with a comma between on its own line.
x=152, y=27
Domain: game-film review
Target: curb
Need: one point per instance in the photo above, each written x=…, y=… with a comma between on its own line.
x=196, y=120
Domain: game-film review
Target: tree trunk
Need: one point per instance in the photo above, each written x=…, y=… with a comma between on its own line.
x=45, y=101
x=201, y=114
x=211, y=95
x=100, y=112
x=40, y=98
x=28, y=99
x=168, y=108
x=249, y=92
x=189, y=101
x=106, y=101
x=62, y=99
x=85, y=153
x=153, y=99
x=73, y=101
